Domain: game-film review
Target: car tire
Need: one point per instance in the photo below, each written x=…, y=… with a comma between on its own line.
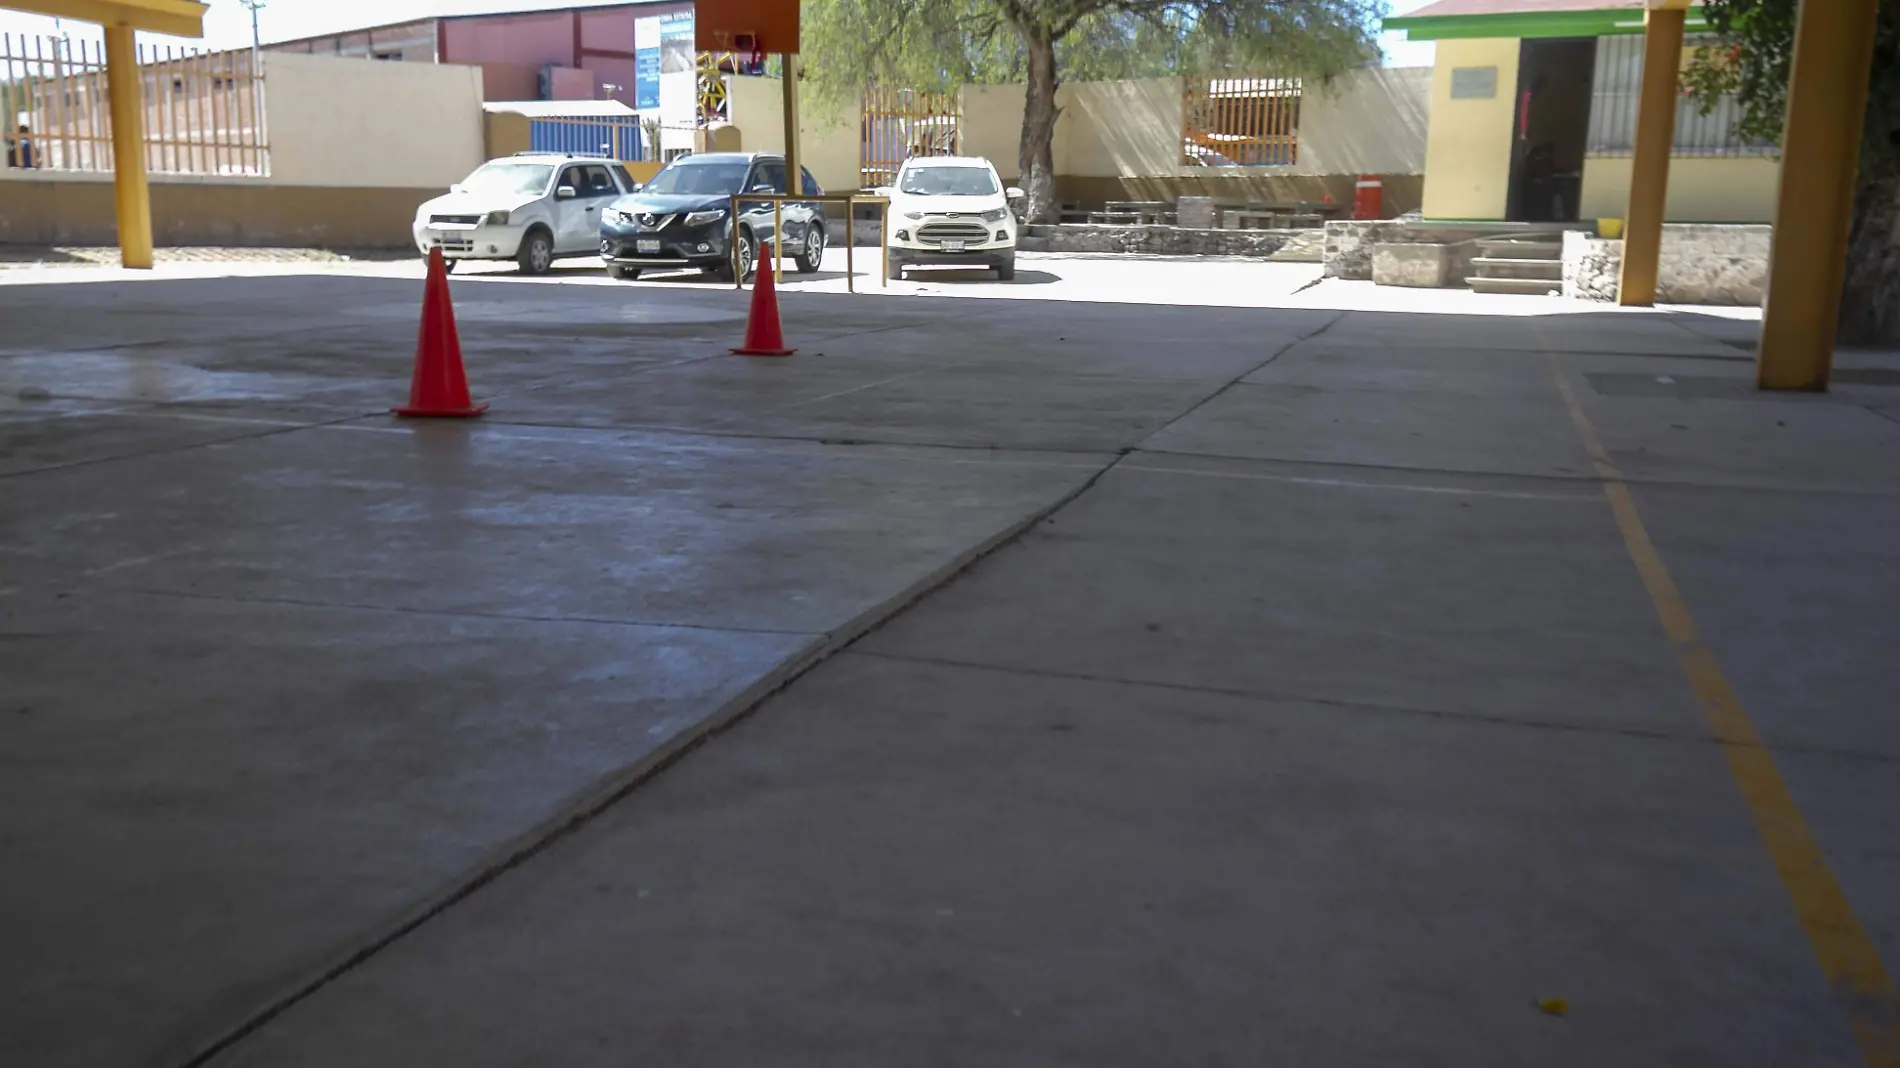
x=537, y=252
x=748, y=259
x=896, y=269
x=625, y=274
x=813, y=257
x=1006, y=268
x=448, y=266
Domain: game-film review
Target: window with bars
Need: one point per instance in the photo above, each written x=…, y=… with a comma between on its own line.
x=1615, y=97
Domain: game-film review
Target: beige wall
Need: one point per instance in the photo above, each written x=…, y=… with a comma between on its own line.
x=1468, y=151
x=77, y=209
x=827, y=136
x=348, y=123
x=1367, y=122
x=1118, y=129
x=1737, y=190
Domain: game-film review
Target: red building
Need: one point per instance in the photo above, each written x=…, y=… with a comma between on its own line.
x=574, y=51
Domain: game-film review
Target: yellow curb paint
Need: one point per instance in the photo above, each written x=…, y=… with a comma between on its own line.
x=1847, y=955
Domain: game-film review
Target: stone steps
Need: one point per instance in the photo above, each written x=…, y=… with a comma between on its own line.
x=1503, y=267
x=1535, y=287
x=1529, y=264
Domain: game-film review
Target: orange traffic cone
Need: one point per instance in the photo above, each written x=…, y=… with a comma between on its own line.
x=439, y=387
x=762, y=334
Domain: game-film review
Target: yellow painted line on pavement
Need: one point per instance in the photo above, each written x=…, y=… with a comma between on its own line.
x=1847, y=955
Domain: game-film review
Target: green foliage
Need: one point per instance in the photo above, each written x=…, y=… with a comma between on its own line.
x=1753, y=59
x=940, y=44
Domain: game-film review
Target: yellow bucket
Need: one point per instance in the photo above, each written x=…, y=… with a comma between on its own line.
x=1610, y=228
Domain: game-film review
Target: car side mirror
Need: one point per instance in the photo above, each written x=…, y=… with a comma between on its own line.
x=884, y=191
x=458, y=189
x=637, y=186
x=565, y=192
x=1014, y=193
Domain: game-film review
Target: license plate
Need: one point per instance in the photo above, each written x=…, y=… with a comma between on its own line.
x=953, y=246
x=646, y=248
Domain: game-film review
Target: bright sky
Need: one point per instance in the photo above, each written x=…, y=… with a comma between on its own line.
x=228, y=24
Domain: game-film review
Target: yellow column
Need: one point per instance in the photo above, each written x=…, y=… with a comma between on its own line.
x=128, y=147
x=1820, y=153
x=792, y=183
x=1649, y=170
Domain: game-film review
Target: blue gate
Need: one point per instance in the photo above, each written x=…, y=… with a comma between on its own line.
x=618, y=137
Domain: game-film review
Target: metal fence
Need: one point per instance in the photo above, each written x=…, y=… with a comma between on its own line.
x=1615, y=97
x=621, y=137
x=203, y=114
x=896, y=124
x=1241, y=121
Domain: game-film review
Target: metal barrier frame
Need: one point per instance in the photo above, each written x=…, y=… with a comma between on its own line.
x=778, y=202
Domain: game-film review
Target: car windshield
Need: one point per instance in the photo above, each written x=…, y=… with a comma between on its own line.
x=948, y=182
x=511, y=179
x=687, y=179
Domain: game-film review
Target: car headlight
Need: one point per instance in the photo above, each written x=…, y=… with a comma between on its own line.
x=628, y=217
x=701, y=218
x=913, y=215
x=995, y=215
x=497, y=218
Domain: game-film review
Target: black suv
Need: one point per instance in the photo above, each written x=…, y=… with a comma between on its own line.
x=679, y=219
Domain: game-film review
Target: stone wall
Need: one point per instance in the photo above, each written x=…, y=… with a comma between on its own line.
x=1349, y=243
x=1591, y=265
x=1158, y=240
x=1700, y=263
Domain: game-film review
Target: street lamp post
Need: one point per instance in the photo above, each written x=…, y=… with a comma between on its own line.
x=257, y=40
x=257, y=98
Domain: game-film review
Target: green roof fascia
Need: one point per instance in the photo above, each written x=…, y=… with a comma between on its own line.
x=1529, y=24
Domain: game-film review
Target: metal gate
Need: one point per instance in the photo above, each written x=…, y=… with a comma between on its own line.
x=617, y=137
x=1241, y=121
x=897, y=124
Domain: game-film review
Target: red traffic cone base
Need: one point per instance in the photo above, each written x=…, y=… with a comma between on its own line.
x=439, y=387
x=763, y=337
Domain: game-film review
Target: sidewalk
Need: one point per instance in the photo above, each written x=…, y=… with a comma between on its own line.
x=1321, y=714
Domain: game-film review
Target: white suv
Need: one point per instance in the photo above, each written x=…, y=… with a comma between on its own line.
x=952, y=211
x=532, y=208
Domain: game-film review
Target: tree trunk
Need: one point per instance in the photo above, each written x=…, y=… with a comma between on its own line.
x=1038, y=156
x=1870, y=301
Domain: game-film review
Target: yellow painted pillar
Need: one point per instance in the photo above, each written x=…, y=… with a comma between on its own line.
x=1820, y=154
x=127, y=103
x=1649, y=170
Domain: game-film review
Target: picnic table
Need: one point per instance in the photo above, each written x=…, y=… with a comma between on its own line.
x=1276, y=214
x=1135, y=213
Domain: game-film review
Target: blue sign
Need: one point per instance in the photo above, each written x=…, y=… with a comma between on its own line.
x=646, y=79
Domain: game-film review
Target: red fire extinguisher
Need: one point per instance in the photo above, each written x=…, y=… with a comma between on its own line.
x=1368, y=197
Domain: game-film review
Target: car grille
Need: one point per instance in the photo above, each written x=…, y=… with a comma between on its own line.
x=937, y=231
x=458, y=220
x=456, y=244
x=646, y=222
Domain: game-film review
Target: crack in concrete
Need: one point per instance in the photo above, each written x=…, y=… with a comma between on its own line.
x=1693, y=737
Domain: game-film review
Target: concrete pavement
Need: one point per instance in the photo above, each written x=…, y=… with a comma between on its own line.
x=1321, y=715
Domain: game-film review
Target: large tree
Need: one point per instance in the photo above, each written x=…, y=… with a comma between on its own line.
x=1752, y=62
x=941, y=44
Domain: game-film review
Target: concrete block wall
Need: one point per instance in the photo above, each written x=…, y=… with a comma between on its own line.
x=1700, y=263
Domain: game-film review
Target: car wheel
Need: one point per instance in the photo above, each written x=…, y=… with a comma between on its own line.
x=896, y=269
x=748, y=255
x=448, y=266
x=809, y=261
x=1006, y=269
x=625, y=274
x=537, y=252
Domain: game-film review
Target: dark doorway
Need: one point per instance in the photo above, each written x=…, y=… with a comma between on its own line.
x=1551, y=128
